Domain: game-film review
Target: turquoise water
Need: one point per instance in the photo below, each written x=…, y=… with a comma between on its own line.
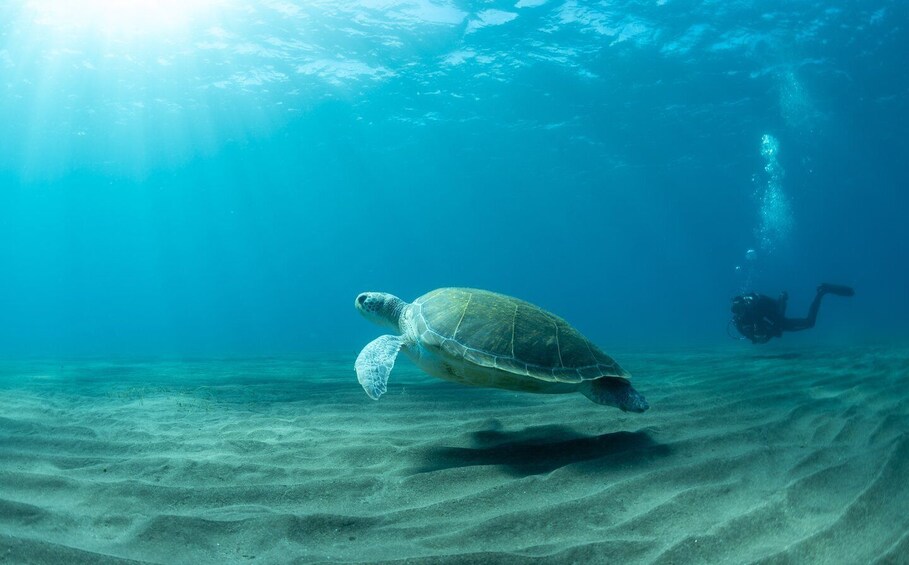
x=193, y=193
x=217, y=178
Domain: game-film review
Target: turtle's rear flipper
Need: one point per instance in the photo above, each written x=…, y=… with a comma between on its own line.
x=614, y=391
x=837, y=289
x=375, y=363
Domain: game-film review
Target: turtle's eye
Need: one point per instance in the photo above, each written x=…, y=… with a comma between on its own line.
x=361, y=299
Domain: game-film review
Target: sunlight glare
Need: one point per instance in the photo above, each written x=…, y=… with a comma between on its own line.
x=118, y=17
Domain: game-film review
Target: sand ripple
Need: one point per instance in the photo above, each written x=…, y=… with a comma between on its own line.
x=787, y=457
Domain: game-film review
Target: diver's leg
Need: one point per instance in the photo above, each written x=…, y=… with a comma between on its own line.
x=815, y=306
x=798, y=324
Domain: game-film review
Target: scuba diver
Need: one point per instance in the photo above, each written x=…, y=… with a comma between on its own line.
x=759, y=317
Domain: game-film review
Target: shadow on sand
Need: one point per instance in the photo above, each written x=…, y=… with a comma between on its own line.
x=541, y=449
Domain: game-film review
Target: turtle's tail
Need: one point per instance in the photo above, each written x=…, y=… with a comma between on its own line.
x=614, y=391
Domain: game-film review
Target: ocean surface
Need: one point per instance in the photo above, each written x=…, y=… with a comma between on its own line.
x=193, y=193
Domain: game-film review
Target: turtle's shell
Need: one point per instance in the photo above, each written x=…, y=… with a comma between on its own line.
x=494, y=330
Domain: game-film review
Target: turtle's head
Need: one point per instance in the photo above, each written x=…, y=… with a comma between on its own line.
x=614, y=391
x=381, y=308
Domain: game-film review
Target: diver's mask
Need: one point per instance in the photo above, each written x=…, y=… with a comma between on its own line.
x=742, y=304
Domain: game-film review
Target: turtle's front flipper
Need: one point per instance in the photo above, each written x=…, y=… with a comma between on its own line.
x=375, y=362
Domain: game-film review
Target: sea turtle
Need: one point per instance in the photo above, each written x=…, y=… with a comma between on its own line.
x=481, y=338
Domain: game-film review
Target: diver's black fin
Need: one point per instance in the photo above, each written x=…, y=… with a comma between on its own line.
x=837, y=289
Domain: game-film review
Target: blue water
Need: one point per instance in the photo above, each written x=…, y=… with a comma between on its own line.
x=223, y=178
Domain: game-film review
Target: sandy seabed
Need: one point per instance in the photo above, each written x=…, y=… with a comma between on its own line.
x=746, y=456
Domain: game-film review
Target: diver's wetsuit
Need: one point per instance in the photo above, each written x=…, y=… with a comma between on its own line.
x=759, y=317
